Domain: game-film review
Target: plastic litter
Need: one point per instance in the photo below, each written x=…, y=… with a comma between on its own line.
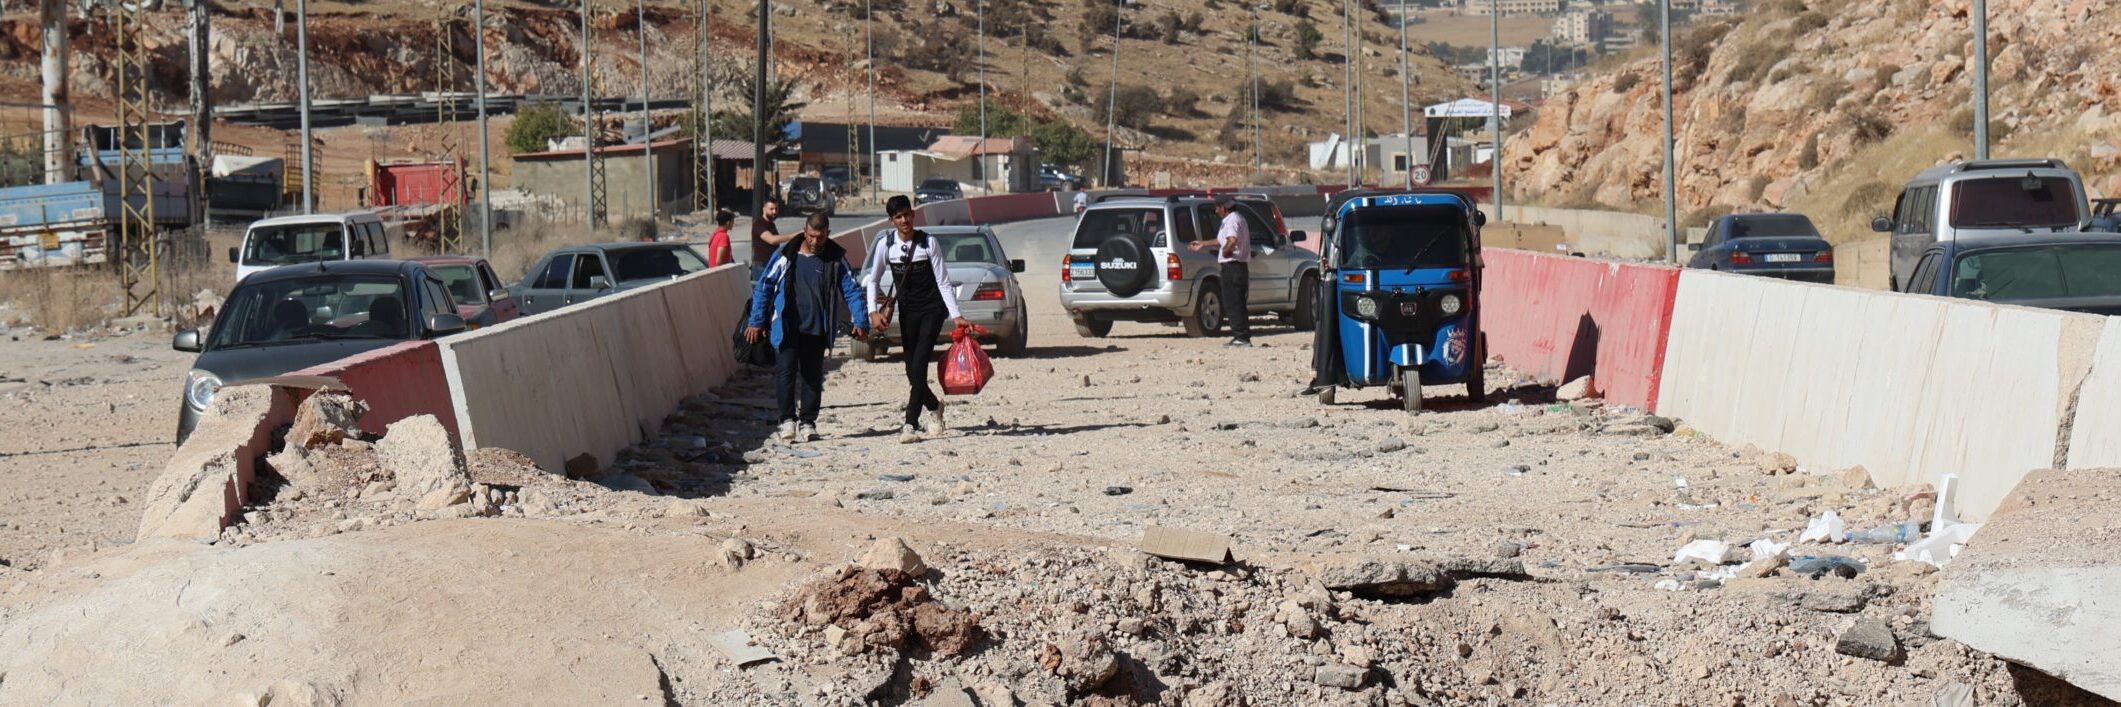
x=1819, y=565
x=1765, y=548
x=1825, y=529
x=1708, y=551
x=1940, y=547
x=1510, y=408
x=1894, y=534
x=1628, y=568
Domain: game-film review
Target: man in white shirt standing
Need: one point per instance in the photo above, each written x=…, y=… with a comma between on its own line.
x=1233, y=257
x=1082, y=201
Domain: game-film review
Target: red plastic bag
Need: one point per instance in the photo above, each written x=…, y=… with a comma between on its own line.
x=964, y=368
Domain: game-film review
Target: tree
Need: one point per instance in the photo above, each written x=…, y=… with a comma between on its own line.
x=1135, y=106
x=1307, y=38
x=1063, y=144
x=1001, y=122
x=1183, y=103
x=779, y=109
x=944, y=49
x=1171, y=27
x=535, y=125
x=1098, y=19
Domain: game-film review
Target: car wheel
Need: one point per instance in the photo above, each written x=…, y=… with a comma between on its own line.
x=1018, y=341
x=1305, y=318
x=1090, y=327
x=1207, y=317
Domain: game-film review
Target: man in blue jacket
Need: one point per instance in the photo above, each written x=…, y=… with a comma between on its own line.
x=792, y=306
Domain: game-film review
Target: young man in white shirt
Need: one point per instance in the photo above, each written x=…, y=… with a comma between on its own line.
x=1233, y=256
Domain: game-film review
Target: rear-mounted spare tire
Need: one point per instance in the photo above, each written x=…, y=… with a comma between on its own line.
x=1123, y=265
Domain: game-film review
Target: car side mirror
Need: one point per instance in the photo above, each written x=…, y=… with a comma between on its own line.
x=1882, y=225
x=1016, y=266
x=444, y=323
x=1298, y=236
x=186, y=341
x=232, y=254
x=599, y=283
x=498, y=295
x=1695, y=247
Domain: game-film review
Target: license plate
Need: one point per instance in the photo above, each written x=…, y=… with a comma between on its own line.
x=1082, y=272
x=1783, y=257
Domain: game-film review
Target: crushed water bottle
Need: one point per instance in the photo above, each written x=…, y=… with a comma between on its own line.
x=1896, y=533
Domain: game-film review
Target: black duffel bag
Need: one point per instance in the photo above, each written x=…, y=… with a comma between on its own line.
x=757, y=353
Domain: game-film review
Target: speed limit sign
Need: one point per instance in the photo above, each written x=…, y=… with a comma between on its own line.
x=1418, y=176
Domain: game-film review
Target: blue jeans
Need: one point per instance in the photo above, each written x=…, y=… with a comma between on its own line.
x=800, y=356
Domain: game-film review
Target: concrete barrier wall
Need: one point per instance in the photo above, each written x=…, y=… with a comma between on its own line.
x=1910, y=387
x=1010, y=207
x=1560, y=318
x=397, y=382
x=1866, y=264
x=207, y=481
x=2095, y=433
x=597, y=377
x=1613, y=234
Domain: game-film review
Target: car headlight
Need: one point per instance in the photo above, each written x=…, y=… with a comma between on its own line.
x=1451, y=304
x=199, y=389
x=1367, y=307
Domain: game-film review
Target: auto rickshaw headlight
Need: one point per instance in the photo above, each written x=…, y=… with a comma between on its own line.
x=1367, y=307
x=1451, y=304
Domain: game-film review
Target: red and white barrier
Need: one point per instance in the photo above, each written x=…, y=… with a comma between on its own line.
x=1559, y=319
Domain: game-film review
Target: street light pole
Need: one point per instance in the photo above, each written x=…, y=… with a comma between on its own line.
x=978, y=157
x=1252, y=81
x=1495, y=98
x=1671, y=163
x=309, y=175
x=478, y=33
x=1112, y=96
x=876, y=167
x=758, y=116
x=1347, y=86
x=1980, y=79
x=647, y=122
x=1406, y=101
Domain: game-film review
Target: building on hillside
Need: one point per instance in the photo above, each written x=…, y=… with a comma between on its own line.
x=1719, y=8
x=1583, y=26
x=1510, y=8
x=820, y=145
x=1511, y=57
x=1392, y=154
x=558, y=174
x=996, y=165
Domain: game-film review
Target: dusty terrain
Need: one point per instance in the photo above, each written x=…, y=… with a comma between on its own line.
x=1521, y=550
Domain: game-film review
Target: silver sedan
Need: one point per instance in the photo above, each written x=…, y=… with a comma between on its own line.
x=984, y=279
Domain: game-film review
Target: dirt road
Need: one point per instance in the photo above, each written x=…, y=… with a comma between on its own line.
x=1532, y=546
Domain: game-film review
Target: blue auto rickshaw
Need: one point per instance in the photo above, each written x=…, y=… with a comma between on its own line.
x=1398, y=304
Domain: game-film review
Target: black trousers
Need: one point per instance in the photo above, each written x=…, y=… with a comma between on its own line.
x=920, y=326
x=1237, y=290
x=800, y=363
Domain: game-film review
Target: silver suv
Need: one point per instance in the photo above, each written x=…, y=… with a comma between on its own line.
x=1981, y=198
x=1129, y=263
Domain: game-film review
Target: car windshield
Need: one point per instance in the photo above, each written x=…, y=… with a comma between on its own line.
x=967, y=248
x=1403, y=237
x=1772, y=226
x=312, y=308
x=2014, y=202
x=463, y=283
x=294, y=243
x=1100, y=225
x=939, y=185
x=655, y=263
x=2039, y=272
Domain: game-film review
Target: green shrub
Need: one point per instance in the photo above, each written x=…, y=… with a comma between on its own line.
x=535, y=125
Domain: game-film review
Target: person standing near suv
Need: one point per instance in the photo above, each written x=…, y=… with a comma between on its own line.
x=794, y=298
x=1233, y=258
x=765, y=234
x=921, y=296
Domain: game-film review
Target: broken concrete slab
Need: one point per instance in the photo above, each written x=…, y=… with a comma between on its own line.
x=1188, y=545
x=740, y=649
x=1385, y=576
x=2039, y=584
x=204, y=485
x=421, y=454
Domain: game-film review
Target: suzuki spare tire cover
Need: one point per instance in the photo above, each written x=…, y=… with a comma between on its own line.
x=1123, y=265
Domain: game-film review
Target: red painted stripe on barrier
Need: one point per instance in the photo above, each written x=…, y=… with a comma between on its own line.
x=1010, y=207
x=1558, y=319
x=397, y=382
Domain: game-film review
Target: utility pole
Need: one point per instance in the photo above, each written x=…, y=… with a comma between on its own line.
x=979, y=159
x=1980, y=79
x=1406, y=100
x=647, y=123
x=876, y=167
x=1362, y=125
x=1252, y=82
x=703, y=196
x=1671, y=163
x=58, y=135
x=309, y=176
x=1347, y=86
x=1495, y=98
x=593, y=210
x=202, y=100
x=478, y=42
x=758, y=113
x=1112, y=96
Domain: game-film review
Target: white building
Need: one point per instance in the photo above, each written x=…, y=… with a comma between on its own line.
x=1390, y=153
x=999, y=165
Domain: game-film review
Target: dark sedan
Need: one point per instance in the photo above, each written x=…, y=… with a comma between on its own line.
x=2077, y=272
x=578, y=274
x=1787, y=246
x=481, y=298
x=934, y=190
x=293, y=317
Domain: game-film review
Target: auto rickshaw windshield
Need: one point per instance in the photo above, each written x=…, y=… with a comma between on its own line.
x=1422, y=236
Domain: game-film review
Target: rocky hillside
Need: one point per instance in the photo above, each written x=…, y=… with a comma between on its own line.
x=1826, y=106
x=1184, y=59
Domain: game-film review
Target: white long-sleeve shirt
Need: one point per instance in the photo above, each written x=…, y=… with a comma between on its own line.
x=892, y=248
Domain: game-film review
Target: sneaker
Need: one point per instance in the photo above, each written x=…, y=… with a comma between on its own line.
x=787, y=431
x=1240, y=343
x=939, y=426
x=909, y=434
x=806, y=433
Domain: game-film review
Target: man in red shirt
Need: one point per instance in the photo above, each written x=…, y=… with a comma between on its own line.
x=718, y=249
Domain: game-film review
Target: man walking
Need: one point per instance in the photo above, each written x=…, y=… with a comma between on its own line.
x=765, y=234
x=792, y=305
x=1233, y=257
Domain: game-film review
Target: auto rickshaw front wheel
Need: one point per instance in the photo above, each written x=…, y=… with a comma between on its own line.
x=1409, y=389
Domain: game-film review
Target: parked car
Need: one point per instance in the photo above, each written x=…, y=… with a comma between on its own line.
x=809, y=195
x=1979, y=198
x=2106, y=217
x=938, y=189
x=1052, y=178
x=290, y=318
x=838, y=180
x=987, y=292
x=1128, y=262
x=578, y=274
x=2077, y=272
x=479, y=294
x=1787, y=246
x=293, y=240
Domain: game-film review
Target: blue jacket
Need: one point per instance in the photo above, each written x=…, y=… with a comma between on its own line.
x=769, y=296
